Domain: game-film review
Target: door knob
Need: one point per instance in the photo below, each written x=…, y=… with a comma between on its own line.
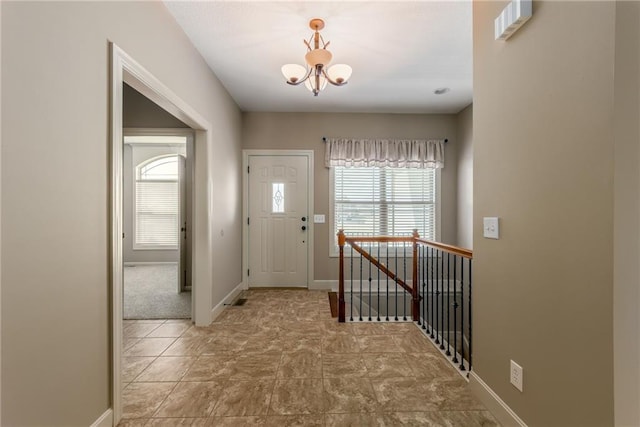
x=304, y=228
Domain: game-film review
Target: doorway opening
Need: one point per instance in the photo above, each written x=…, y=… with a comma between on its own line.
x=124, y=69
x=157, y=189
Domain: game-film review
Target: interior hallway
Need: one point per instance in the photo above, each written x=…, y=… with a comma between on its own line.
x=281, y=360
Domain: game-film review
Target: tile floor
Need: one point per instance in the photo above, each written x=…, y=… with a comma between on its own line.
x=281, y=360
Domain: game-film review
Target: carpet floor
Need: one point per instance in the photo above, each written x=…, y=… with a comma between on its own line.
x=150, y=292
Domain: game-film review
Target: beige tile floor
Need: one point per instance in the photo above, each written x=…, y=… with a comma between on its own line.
x=281, y=360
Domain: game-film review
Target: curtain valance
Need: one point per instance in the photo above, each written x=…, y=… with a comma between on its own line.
x=401, y=153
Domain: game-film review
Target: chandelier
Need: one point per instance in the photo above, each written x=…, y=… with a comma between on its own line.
x=316, y=74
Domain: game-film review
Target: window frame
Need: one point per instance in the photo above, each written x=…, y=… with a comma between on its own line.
x=333, y=246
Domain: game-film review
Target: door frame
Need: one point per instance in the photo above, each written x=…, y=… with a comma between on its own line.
x=245, y=206
x=124, y=69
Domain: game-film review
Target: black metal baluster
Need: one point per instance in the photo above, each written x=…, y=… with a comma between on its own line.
x=431, y=295
x=425, y=289
x=427, y=273
x=437, y=296
x=455, y=311
x=395, y=251
x=419, y=283
x=470, y=317
x=370, y=281
x=442, y=306
x=448, y=305
x=351, y=285
x=462, y=315
x=378, y=293
x=404, y=277
x=387, y=260
x=360, y=311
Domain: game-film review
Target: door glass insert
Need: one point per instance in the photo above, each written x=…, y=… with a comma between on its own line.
x=278, y=197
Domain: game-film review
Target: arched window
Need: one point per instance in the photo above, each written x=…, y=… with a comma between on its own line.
x=161, y=168
x=157, y=203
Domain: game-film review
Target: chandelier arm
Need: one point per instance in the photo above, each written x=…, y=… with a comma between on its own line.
x=308, y=44
x=335, y=83
x=296, y=83
x=324, y=44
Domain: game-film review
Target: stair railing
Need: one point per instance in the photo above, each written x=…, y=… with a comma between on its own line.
x=438, y=286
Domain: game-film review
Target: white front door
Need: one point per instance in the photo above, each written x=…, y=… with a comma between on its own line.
x=278, y=220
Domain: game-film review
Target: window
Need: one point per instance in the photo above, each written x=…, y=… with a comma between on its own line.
x=157, y=203
x=278, y=197
x=384, y=201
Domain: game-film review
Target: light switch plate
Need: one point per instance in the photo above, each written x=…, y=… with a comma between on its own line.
x=318, y=219
x=517, y=375
x=491, y=227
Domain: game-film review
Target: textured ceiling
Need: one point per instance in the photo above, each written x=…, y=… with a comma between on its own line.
x=400, y=52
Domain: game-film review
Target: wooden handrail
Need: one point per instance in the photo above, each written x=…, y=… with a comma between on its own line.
x=466, y=253
x=381, y=239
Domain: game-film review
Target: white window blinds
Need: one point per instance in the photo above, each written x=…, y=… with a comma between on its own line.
x=157, y=204
x=156, y=214
x=385, y=201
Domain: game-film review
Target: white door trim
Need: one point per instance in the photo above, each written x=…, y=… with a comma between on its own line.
x=245, y=205
x=125, y=69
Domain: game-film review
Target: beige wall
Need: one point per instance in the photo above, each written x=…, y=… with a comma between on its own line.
x=55, y=193
x=543, y=163
x=626, y=248
x=304, y=131
x=138, y=111
x=464, y=144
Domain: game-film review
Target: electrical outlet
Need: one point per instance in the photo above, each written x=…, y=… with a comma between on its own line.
x=516, y=375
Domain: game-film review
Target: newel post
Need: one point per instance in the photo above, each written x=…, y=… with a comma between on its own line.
x=341, y=308
x=415, y=307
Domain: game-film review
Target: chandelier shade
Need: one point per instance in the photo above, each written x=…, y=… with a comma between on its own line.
x=294, y=72
x=318, y=57
x=310, y=83
x=317, y=72
x=339, y=72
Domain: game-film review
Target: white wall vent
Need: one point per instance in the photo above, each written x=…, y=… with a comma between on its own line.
x=512, y=18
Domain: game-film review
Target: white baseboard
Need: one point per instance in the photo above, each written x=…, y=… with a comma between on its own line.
x=105, y=420
x=231, y=296
x=324, y=285
x=134, y=263
x=498, y=408
x=278, y=287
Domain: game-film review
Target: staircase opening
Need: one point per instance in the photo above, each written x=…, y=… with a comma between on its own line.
x=409, y=279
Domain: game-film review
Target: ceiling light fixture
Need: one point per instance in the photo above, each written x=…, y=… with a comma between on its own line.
x=316, y=74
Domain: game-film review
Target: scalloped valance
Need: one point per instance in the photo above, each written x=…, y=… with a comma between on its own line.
x=399, y=153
